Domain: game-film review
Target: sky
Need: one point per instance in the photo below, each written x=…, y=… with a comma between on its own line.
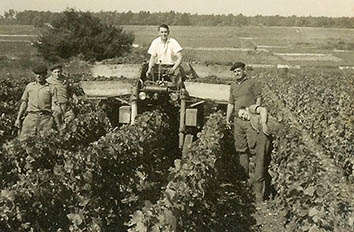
x=330, y=8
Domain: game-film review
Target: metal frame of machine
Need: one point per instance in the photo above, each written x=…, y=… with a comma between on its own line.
x=188, y=96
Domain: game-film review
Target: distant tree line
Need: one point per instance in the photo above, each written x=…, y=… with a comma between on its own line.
x=38, y=18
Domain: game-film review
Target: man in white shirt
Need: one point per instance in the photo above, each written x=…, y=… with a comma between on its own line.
x=165, y=51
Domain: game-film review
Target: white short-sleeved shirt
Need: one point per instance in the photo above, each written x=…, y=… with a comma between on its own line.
x=165, y=52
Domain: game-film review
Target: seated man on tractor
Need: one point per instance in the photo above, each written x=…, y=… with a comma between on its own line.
x=165, y=58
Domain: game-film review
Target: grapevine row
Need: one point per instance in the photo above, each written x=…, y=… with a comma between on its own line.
x=324, y=105
x=50, y=185
x=191, y=200
x=312, y=195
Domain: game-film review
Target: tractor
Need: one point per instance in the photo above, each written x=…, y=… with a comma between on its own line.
x=137, y=92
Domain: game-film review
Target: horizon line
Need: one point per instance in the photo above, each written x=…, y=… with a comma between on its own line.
x=179, y=12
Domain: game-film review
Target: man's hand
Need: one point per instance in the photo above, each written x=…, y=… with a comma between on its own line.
x=228, y=124
x=18, y=123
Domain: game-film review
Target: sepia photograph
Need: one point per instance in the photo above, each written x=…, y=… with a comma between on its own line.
x=176, y=116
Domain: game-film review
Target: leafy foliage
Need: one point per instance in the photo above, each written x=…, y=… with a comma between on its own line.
x=10, y=94
x=190, y=201
x=311, y=193
x=76, y=33
x=72, y=177
x=90, y=124
x=323, y=103
x=76, y=188
x=94, y=177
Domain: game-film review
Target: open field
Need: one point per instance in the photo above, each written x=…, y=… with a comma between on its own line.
x=251, y=44
x=262, y=43
x=15, y=41
x=233, y=36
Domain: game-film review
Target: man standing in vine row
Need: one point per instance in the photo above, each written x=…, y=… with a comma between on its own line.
x=250, y=139
x=37, y=101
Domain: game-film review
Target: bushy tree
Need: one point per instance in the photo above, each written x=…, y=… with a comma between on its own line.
x=76, y=33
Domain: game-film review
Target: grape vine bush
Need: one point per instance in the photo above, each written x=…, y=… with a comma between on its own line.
x=94, y=177
x=49, y=184
x=190, y=199
x=311, y=196
x=323, y=102
x=10, y=94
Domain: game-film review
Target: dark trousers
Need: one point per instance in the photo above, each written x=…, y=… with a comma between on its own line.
x=250, y=142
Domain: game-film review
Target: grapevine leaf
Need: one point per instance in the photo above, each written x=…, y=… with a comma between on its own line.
x=309, y=191
x=75, y=218
x=314, y=228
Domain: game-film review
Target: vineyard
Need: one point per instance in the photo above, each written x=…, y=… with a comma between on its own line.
x=313, y=179
x=98, y=175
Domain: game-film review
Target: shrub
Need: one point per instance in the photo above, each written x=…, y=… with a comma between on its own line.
x=76, y=33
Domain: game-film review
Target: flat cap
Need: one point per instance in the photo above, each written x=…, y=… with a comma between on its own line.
x=237, y=65
x=40, y=69
x=56, y=66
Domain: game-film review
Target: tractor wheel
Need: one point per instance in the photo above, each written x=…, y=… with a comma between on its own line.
x=188, y=139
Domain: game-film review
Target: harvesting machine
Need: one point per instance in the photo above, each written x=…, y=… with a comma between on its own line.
x=136, y=92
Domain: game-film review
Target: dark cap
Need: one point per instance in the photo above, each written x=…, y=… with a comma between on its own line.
x=237, y=65
x=40, y=69
x=56, y=66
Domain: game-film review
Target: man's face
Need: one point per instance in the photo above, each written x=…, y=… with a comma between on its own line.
x=40, y=77
x=57, y=73
x=239, y=73
x=164, y=33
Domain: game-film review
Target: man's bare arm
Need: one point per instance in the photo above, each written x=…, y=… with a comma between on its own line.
x=21, y=111
x=230, y=109
x=151, y=64
x=178, y=62
x=259, y=101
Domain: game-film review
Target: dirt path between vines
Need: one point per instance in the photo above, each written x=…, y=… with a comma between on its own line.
x=268, y=219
